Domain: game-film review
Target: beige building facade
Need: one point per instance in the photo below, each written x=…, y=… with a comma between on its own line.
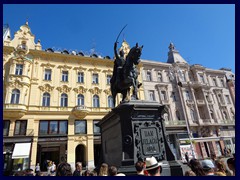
x=52, y=102
x=200, y=104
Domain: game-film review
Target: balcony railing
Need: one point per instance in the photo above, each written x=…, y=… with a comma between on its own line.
x=200, y=102
x=175, y=123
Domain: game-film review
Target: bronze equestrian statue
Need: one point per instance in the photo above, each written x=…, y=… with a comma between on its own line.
x=125, y=73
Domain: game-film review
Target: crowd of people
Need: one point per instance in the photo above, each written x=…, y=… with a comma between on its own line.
x=150, y=167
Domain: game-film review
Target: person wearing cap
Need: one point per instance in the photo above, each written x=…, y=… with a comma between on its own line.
x=153, y=167
x=208, y=167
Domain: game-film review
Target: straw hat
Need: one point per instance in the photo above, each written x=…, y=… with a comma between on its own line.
x=152, y=163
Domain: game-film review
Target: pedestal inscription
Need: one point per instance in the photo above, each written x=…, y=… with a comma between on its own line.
x=150, y=144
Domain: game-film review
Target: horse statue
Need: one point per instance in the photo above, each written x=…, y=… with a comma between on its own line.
x=126, y=76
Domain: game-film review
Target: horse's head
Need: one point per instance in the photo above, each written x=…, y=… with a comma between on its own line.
x=135, y=53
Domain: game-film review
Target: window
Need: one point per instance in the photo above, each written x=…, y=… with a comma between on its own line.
x=20, y=127
x=95, y=79
x=149, y=76
x=63, y=127
x=227, y=99
x=96, y=129
x=19, y=69
x=225, y=117
x=47, y=74
x=222, y=83
x=201, y=78
x=232, y=113
x=43, y=127
x=96, y=101
x=151, y=96
x=110, y=102
x=46, y=99
x=220, y=98
x=214, y=81
x=80, y=100
x=187, y=95
x=108, y=79
x=192, y=113
x=178, y=115
x=163, y=95
x=159, y=77
x=181, y=75
x=53, y=127
x=174, y=97
x=65, y=76
x=15, y=96
x=212, y=115
x=6, y=125
x=166, y=117
x=80, y=77
x=80, y=127
x=64, y=100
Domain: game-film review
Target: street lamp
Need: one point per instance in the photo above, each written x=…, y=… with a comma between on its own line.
x=176, y=73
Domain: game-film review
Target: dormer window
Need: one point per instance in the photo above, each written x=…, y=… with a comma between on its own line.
x=24, y=46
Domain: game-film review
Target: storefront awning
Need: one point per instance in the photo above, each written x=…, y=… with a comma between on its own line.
x=21, y=150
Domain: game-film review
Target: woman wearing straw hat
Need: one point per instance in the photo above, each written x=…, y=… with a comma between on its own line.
x=153, y=167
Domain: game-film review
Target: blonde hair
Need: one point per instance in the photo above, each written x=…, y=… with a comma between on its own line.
x=103, y=170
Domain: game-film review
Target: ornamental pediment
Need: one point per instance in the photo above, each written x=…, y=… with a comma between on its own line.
x=95, y=90
x=64, y=67
x=95, y=70
x=16, y=84
x=108, y=71
x=80, y=90
x=80, y=68
x=46, y=88
x=107, y=91
x=64, y=89
x=47, y=65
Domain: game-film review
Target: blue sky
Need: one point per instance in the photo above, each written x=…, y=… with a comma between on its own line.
x=203, y=34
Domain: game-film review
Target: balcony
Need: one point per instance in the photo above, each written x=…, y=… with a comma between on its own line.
x=175, y=123
x=228, y=122
x=189, y=102
x=14, y=110
x=200, y=102
x=80, y=111
x=197, y=84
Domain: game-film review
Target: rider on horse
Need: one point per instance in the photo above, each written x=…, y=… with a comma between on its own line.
x=118, y=65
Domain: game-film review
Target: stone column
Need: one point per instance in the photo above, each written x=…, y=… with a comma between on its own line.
x=70, y=143
x=90, y=145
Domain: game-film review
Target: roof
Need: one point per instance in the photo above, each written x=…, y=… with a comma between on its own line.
x=174, y=56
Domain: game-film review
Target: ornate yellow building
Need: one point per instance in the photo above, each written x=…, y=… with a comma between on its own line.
x=51, y=103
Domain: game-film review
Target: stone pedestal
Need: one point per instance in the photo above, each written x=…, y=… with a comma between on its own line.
x=133, y=131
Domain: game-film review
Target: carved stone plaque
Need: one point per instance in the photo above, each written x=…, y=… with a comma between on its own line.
x=150, y=142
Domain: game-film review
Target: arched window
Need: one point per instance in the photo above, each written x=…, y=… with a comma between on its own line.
x=96, y=101
x=110, y=101
x=15, y=96
x=46, y=99
x=64, y=100
x=80, y=100
x=178, y=115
